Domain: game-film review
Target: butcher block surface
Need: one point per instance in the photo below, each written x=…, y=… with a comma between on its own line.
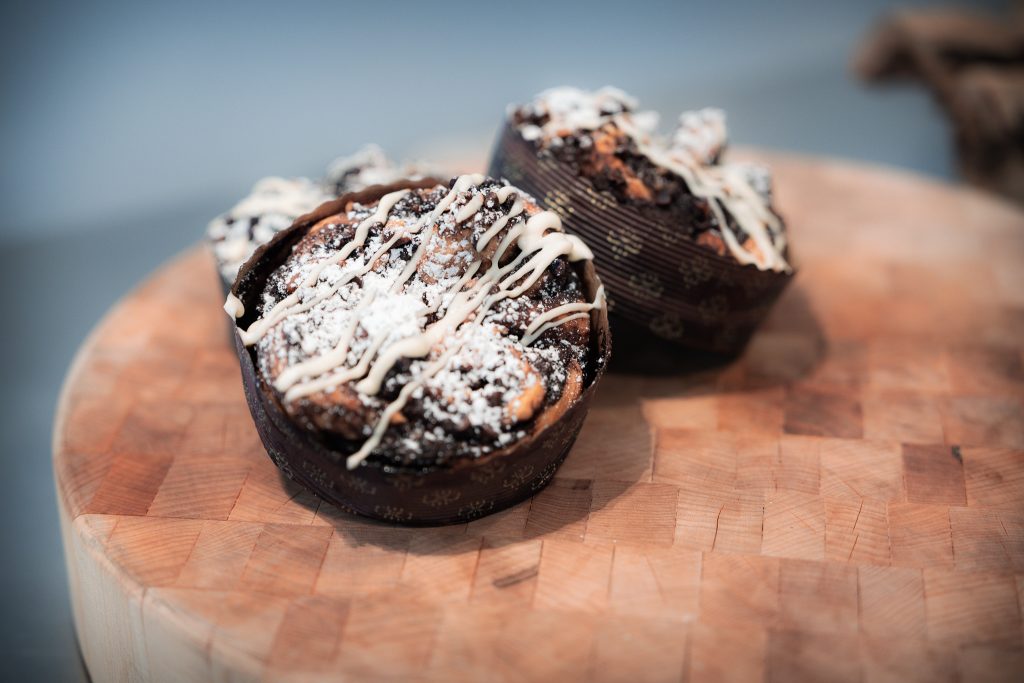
x=845, y=502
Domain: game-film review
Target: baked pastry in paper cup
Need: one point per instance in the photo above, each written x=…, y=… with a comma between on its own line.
x=690, y=248
x=274, y=203
x=421, y=353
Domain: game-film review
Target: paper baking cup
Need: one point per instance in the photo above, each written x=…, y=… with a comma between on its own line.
x=668, y=286
x=457, y=492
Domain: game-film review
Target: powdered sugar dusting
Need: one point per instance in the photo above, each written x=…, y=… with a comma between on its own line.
x=479, y=388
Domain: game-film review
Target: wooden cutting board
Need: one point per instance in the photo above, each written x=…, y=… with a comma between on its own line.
x=845, y=502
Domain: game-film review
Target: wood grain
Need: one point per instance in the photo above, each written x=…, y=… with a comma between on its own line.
x=844, y=502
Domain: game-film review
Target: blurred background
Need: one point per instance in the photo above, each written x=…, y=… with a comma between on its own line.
x=125, y=127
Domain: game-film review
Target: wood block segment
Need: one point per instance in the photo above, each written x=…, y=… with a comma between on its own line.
x=731, y=524
x=639, y=649
x=798, y=467
x=736, y=653
x=560, y=510
x=987, y=540
x=934, y=474
x=696, y=461
x=971, y=607
x=994, y=477
x=129, y=485
x=312, y=626
x=152, y=551
x=574, y=576
x=620, y=445
x=891, y=602
x=794, y=525
x=902, y=416
x=856, y=470
x=984, y=421
x=801, y=656
x=506, y=574
x=900, y=659
x=857, y=532
x=817, y=596
x=823, y=413
x=991, y=662
x=267, y=496
x=920, y=535
x=286, y=559
x=633, y=513
x=736, y=588
x=655, y=582
x=362, y=561
x=440, y=566
x=404, y=653
x=200, y=487
x=220, y=555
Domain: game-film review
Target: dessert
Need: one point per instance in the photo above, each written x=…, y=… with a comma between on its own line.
x=421, y=352
x=271, y=206
x=689, y=245
x=370, y=166
x=274, y=203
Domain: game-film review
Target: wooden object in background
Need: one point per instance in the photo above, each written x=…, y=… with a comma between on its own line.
x=842, y=503
x=974, y=66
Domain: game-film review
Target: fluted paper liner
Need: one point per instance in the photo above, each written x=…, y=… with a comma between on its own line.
x=664, y=283
x=457, y=492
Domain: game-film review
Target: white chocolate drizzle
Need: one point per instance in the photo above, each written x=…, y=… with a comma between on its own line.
x=465, y=302
x=700, y=137
x=290, y=304
x=315, y=367
x=722, y=187
x=560, y=315
x=353, y=461
x=499, y=225
x=233, y=306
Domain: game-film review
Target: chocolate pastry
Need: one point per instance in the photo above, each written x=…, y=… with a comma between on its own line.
x=690, y=246
x=434, y=345
x=274, y=203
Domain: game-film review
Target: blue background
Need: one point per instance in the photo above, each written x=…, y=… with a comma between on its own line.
x=125, y=126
